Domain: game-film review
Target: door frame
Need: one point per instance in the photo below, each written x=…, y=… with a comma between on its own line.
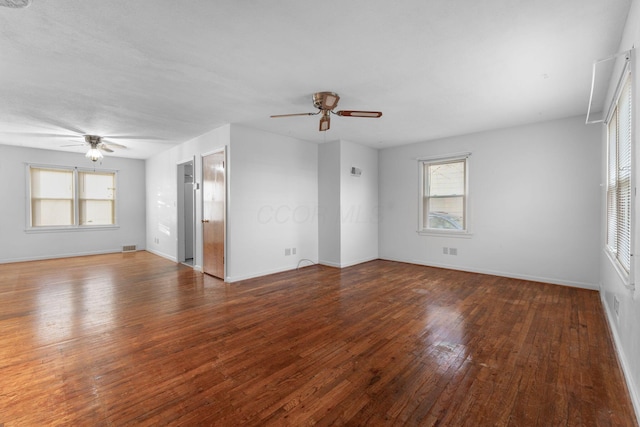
x=222, y=150
x=181, y=220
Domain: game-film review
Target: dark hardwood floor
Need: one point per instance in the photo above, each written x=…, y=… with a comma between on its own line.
x=135, y=339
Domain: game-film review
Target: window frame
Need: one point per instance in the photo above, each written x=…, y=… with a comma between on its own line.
x=611, y=248
x=76, y=226
x=423, y=164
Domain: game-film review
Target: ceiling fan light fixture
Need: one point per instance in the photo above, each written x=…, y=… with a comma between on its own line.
x=93, y=154
x=324, y=123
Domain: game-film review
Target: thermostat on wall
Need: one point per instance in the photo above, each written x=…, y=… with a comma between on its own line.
x=355, y=171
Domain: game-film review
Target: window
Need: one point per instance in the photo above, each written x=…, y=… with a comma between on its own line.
x=96, y=193
x=619, y=169
x=443, y=195
x=68, y=197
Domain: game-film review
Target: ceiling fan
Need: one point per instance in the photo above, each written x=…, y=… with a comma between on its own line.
x=97, y=144
x=326, y=102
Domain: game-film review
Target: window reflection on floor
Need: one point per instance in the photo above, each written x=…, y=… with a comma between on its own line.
x=65, y=309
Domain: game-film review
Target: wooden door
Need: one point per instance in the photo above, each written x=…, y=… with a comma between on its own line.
x=213, y=213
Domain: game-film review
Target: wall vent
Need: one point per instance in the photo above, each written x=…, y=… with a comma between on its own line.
x=129, y=248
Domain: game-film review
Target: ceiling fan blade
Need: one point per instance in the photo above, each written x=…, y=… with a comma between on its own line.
x=112, y=144
x=47, y=135
x=295, y=114
x=141, y=137
x=73, y=145
x=105, y=148
x=355, y=113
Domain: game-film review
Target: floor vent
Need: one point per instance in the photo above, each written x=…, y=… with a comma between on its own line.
x=129, y=248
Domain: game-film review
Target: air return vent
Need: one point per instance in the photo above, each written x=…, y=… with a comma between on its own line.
x=129, y=248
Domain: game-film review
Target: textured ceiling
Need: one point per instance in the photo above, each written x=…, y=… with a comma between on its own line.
x=153, y=73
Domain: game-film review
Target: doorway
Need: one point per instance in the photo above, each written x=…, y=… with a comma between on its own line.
x=214, y=198
x=186, y=213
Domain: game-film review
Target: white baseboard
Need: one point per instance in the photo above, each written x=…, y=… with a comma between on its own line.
x=231, y=279
x=163, y=255
x=58, y=256
x=553, y=281
x=346, y=264
x=330, y=264
x=634, y=392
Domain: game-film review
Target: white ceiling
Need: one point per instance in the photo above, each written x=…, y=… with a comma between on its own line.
x=156, y=73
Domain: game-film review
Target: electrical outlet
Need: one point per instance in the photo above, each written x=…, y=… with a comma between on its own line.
x=293, y=251
x=453, y=251
x=616, y=306
x=445, y=251
x=287, y=252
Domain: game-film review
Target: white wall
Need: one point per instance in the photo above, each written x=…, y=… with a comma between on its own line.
x=534, y=203
x=274, y=203
x=329, y=178
x=18, y=245
x=348, y=224
x=162, y=192
x=358, y=204
x=625, y=326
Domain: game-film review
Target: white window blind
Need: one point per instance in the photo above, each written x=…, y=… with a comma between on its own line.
x=67, y=198
x=619, y=174
x=96, y=197
x=52, y=201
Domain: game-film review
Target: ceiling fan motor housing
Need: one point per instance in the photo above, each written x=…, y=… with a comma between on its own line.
x=325, y=100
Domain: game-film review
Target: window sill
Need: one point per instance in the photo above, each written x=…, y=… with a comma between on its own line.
x=447, y=233
x=624, y=276
x=37, y=230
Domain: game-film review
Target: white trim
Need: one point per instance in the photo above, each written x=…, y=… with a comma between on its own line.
x=634, y=391
x=330, y=264
x=227, y=187
x=230, y=279
x=452, y=156
x=622, y=274
x=593, y=81
x=66, y=255
x=347, y=264
x=510, y=275
x=75, y=170
x=180, y=234
x=626, y=69
x=422, y=161
x=628, y=72
x=64, y=229
x=163, y=255
x=446, y=233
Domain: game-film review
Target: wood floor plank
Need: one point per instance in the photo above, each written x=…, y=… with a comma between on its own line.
x=124, y=339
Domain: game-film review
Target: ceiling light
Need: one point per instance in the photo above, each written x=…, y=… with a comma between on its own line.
x=94, y=154
x=324, y=123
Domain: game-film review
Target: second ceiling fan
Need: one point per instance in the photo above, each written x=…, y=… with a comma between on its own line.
x=326, y=102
